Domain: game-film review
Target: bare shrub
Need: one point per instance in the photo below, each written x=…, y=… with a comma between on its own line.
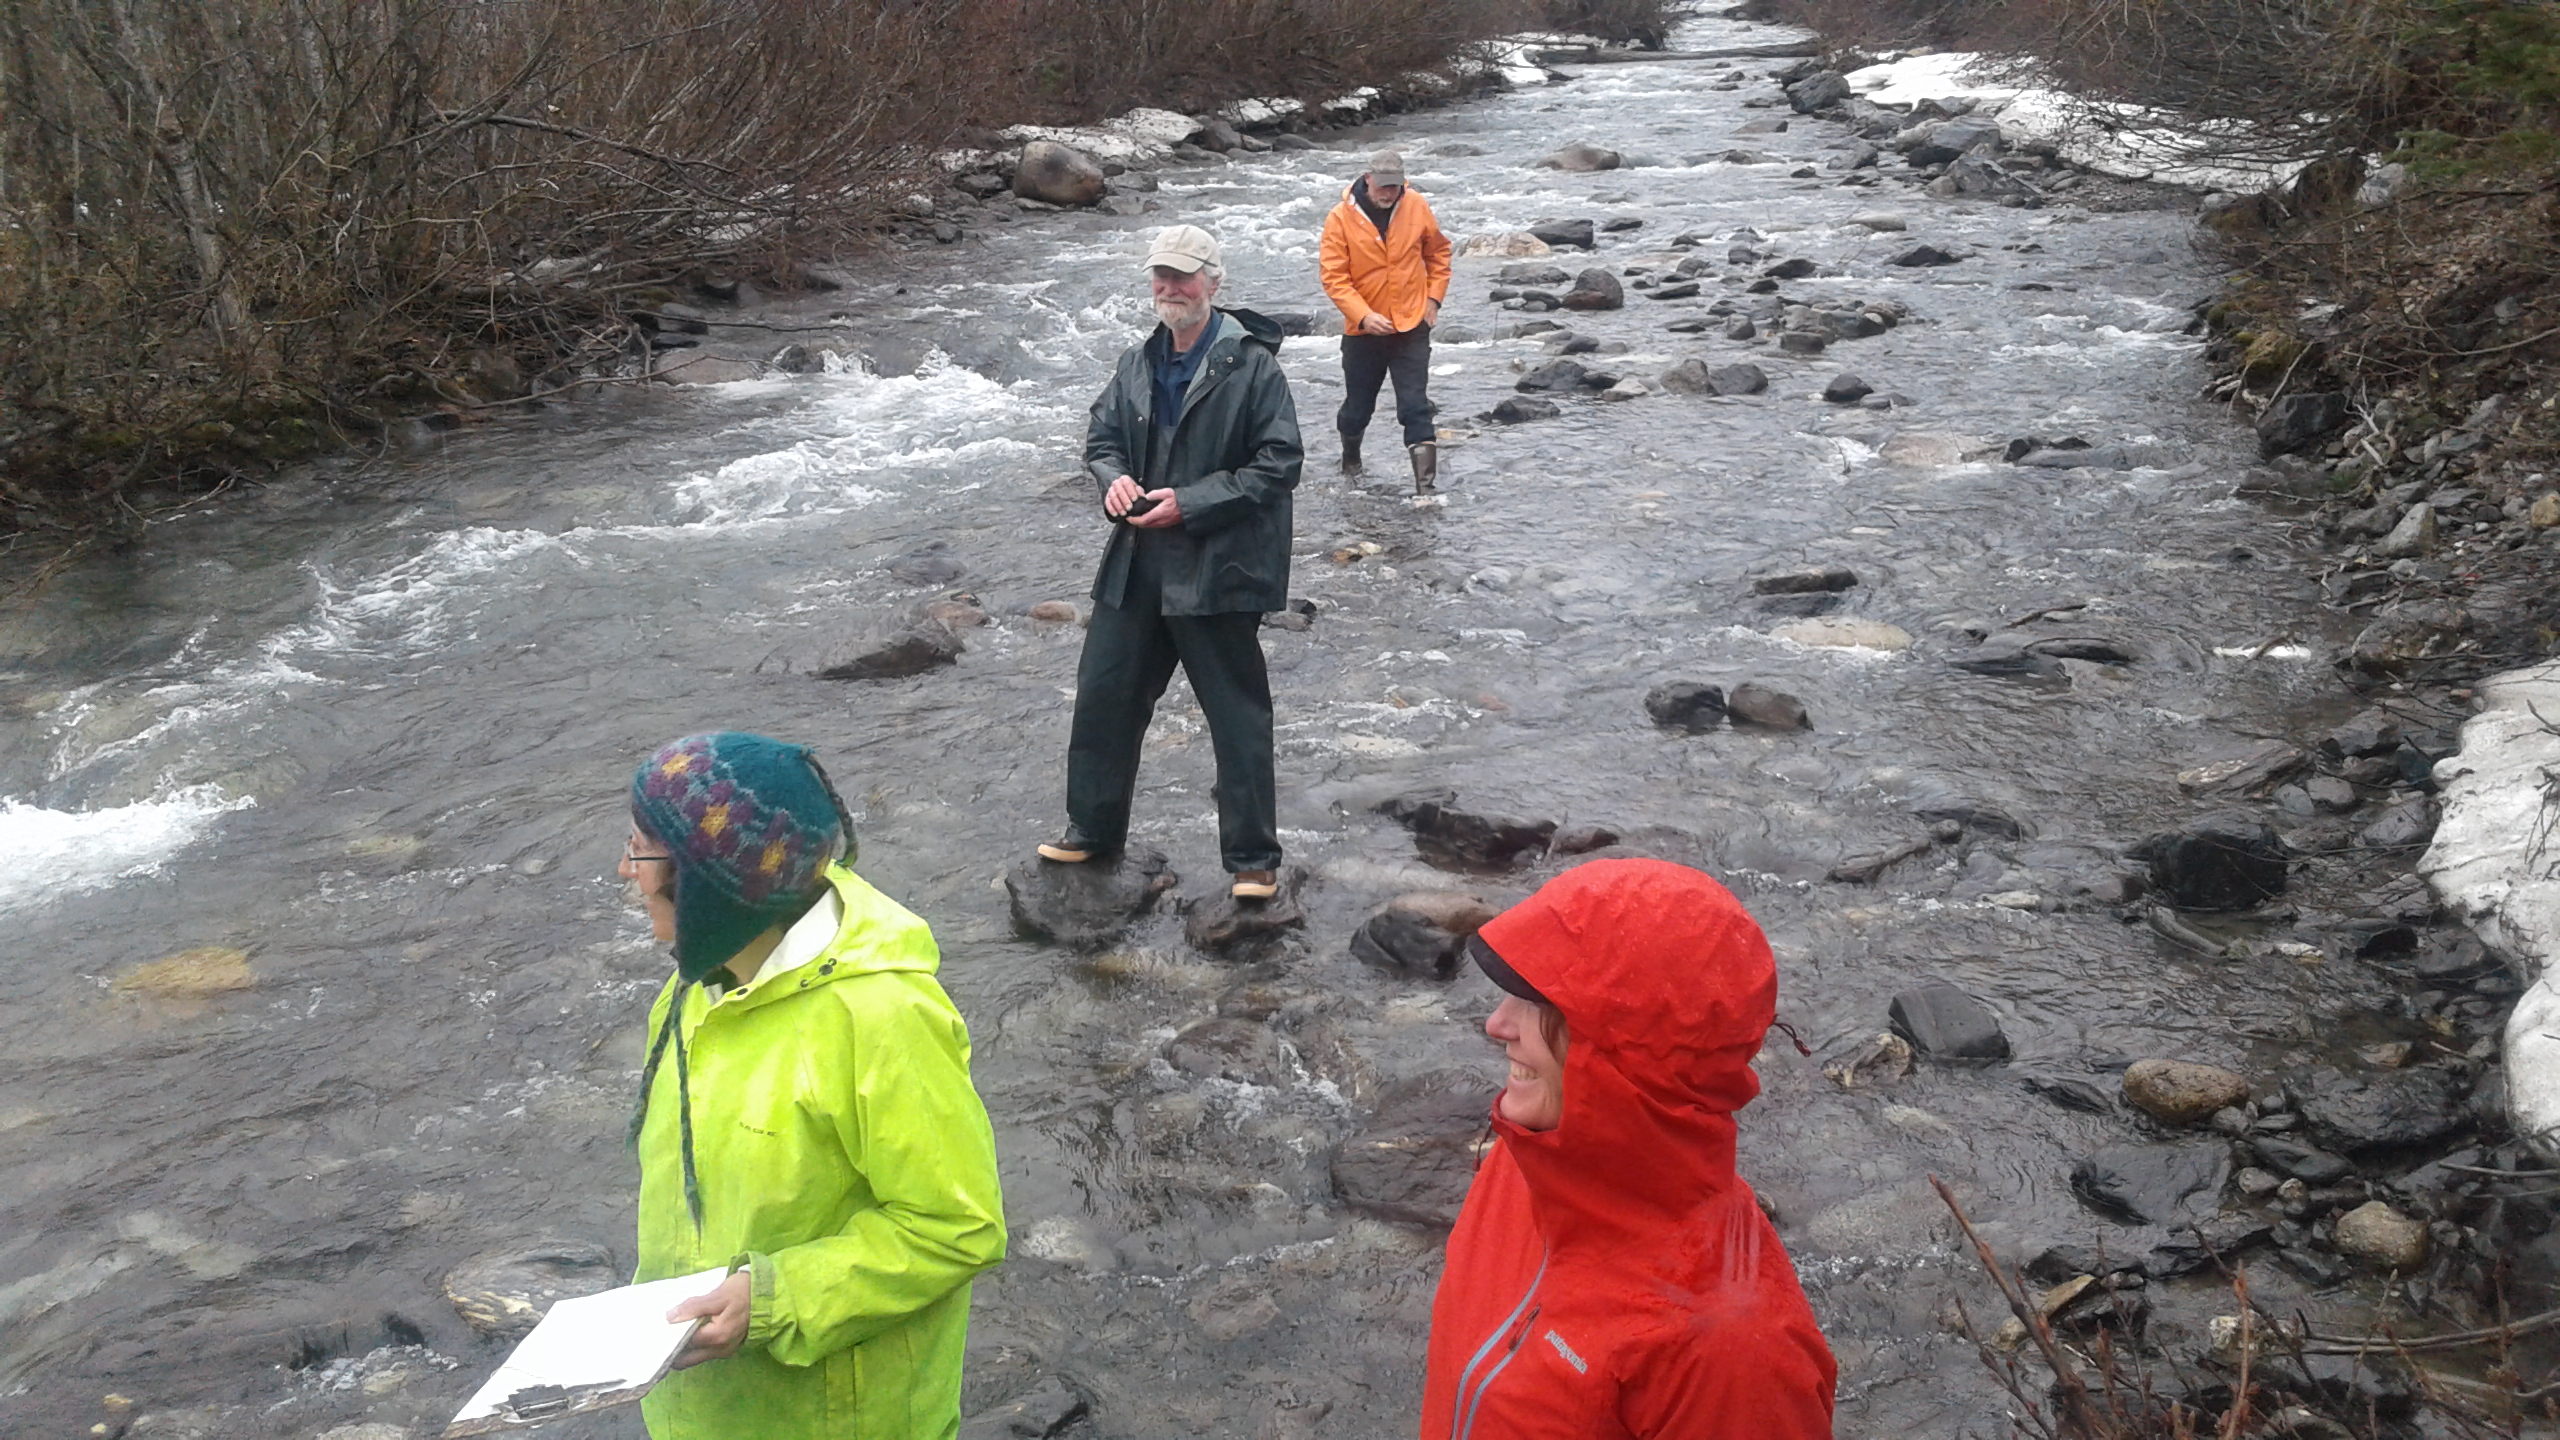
x=1081, y=59
x=1640, y=22
x=237, y=226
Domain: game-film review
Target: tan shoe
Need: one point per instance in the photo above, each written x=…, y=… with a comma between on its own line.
x=1255, y=884
x=1069, y=851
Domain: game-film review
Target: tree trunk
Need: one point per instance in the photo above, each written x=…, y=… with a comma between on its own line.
x=176, y=152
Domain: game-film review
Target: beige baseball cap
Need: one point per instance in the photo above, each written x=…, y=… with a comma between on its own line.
x=1185, y=248
x=1386, y=168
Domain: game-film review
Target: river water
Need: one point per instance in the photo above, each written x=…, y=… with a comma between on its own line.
x=371, y=726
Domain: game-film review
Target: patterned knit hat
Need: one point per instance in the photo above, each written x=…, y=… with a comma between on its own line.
x=751, y=824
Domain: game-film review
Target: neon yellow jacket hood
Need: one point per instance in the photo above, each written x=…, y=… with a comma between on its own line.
x=842, y=1154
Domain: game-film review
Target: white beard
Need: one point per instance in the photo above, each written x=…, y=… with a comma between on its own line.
x=1178, y=316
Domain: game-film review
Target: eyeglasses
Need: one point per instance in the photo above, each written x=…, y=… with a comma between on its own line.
x=630, y=859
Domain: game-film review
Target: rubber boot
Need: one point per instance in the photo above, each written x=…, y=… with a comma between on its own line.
x=1426, y=467
x=1350, y=454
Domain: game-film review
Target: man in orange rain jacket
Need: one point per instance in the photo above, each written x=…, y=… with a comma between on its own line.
x=1610, y=1275
x=1385, y=264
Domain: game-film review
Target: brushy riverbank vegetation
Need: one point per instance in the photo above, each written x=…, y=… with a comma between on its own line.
x=2413, y=268
x=233, y=232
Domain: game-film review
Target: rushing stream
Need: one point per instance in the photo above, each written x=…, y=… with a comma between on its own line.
x=371, y=726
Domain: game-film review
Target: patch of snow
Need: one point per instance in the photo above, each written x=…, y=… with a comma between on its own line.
x=2130, y=142
x=2496, y=862
x=1142, y=134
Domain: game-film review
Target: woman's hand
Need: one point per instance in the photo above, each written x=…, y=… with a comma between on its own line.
x=724, y=1313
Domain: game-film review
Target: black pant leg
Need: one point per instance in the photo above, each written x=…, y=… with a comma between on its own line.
x=1128, y=658
x=1364, y=367
x=1222, y=655
x=1411, y=366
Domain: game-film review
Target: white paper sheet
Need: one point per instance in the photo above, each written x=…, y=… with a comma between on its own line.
x=589, y=1352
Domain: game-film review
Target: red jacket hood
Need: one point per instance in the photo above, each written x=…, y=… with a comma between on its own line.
x=1667, y=988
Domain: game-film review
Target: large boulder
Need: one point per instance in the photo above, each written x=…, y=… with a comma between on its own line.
x=1818, y=92
x=2231, y=861
x=1950, y=140
x=1581, y=157
x=1689, y=377
x=1942, y=1021
x=1532, y=275
x=1566, y=234
x=1979, y=174
x=1458, y=839
x=2295, y=421
x=1556, y=376
x=1422, y=933
x=1415, y=1158
x=1737, y=379
x=1058, y=175
x=1091, y=903
x=1595, y=289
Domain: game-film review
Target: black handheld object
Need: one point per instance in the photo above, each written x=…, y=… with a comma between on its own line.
x=1140, y=506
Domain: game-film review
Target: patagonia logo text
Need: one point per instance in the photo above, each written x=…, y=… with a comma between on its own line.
x=1576, y=1361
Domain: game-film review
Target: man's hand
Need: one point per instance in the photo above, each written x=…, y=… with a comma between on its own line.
x=724, y=1326
x=1430, y=312
x=1124, y=492
x=1374, y=323
x=1167, y=511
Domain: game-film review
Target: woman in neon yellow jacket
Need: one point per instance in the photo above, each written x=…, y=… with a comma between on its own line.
x=806, y=1115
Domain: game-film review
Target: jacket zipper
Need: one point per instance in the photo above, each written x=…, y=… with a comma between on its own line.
x=1462, y=1414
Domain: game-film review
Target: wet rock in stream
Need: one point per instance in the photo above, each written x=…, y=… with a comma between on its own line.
x=505, y=1293
x=2381, y=1113
x=1463, y=839
x=1797, y=582
x=1091, y=903
x=1421, y=933
x=2152, y=1184
x=1231, y=1049
x=2180, y=1092
x=1757, y=705
x=1414, y=1159
x=1595, y=289
x=1945, y=1023
x=1686, y=705
x=1221, y=923
x=1519, y=410
x=2230, y=861
x=1047, y=1411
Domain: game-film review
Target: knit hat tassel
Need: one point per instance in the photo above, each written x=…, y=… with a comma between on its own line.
x=672, y=1028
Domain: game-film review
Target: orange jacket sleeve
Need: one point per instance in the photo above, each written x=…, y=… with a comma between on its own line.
x=1435, y=256
x=1333, y=267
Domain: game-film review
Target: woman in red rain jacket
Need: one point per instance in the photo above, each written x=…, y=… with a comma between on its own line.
x=1610, y=1275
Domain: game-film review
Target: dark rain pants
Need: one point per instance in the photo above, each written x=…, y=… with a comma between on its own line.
x=1369, y=359
x=1130, y=651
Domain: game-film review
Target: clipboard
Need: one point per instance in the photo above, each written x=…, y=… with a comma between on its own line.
x=591, y=1352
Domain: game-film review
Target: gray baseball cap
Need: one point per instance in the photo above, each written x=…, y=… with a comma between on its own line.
x=1386, y=168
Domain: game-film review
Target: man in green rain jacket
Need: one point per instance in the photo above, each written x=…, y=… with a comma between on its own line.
x=806, y=1115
